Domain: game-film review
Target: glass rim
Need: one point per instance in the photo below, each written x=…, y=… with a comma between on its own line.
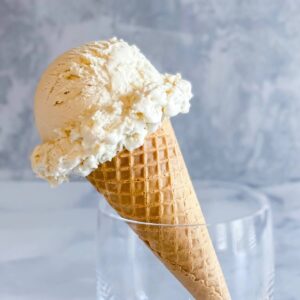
x=261, y=197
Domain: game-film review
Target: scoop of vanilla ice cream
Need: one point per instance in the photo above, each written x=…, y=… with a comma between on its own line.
x=97, y=99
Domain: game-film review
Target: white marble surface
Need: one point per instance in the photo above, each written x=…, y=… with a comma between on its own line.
x=285, y=201
x=47, y=248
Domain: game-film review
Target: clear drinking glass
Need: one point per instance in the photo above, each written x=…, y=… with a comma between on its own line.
x=240, y=224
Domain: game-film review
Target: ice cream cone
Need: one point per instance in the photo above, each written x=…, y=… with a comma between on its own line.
x=152, y=184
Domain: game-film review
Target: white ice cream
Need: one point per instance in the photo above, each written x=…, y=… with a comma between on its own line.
x=97, y=99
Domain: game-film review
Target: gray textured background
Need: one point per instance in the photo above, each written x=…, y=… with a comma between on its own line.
x=243, y=58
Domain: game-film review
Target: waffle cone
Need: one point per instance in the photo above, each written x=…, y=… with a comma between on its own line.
x=151, y=184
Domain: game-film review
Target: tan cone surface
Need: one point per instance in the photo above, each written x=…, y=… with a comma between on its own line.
x=152, y=184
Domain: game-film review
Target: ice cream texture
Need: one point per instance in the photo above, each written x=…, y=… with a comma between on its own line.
x=96, y=100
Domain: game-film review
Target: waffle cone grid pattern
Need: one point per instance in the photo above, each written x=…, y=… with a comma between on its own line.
x=151, y=184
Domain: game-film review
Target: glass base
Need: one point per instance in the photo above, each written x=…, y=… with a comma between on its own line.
x=240, y=226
